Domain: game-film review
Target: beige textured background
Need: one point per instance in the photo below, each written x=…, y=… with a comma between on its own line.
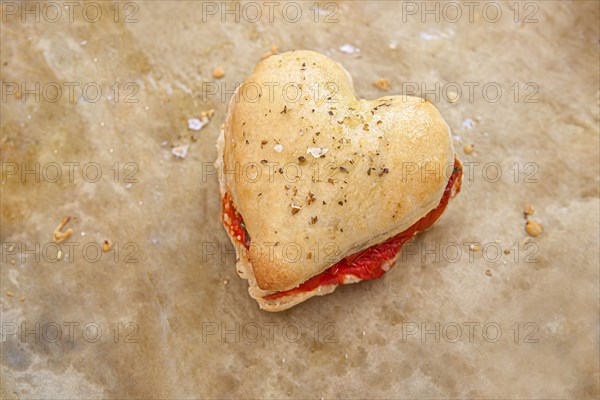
x=172, y=211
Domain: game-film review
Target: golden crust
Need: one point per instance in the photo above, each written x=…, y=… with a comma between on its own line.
x=244, y=267
x=245, y=271
x=385, y=165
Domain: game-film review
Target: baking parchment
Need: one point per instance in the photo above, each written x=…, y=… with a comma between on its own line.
x=471, y=310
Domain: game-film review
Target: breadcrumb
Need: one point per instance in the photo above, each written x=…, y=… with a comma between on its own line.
x=528, y=210
x=106, y=245
x=58, y=235
x=533, y=228
x=218, y=72
x=382, y=84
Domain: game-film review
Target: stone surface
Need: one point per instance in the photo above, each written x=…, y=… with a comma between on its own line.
x=176, y=321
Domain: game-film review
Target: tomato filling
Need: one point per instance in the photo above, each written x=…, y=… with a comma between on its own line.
x=366, y=264
x=234, y=222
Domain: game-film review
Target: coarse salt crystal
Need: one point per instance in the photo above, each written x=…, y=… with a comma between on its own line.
x=349, y=49
x=195, y=124
x=278, y=148
x=317, y=151
x=180, y=151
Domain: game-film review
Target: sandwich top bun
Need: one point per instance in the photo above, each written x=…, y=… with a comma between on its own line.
x=318, y=174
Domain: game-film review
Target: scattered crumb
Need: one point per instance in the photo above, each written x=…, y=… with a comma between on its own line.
x=506, y=251
x=349, y=49
x=180, y=151
x=273, y=50
x=22, y=298
x=196, y=124
x=488, y=272
x=528, y=210
x=207, y=115
x=58, y=235
x=106, y=245
x=382, y=84
x=468, y=123
x=525, y=240
x=468, y=149
x=218, y=72
x=474, y=247
x=9, y=293
x=533, y=228
x=225, y=281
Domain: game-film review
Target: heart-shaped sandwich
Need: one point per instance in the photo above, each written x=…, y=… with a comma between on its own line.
x=320, y=188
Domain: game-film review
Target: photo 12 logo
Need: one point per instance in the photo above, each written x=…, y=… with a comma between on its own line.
x=69, y=11
x=469, y=332
x=270, y=11
x=69, y=332
x=253, y=332
x=72, y=92
x=68, y=172
x=289, y=92
x=470, y=11
x=455, y=252
x=473, y=91
x=70, y=252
